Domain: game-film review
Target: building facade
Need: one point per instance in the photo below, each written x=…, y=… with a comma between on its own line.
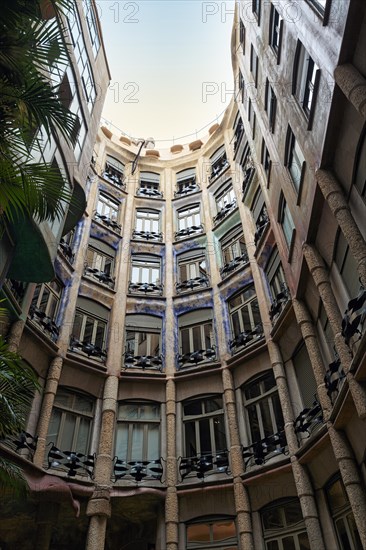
x=202, y=347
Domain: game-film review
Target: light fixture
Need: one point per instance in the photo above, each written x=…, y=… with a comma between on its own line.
x=147, y=143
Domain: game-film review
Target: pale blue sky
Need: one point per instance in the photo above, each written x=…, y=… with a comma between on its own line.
x=170, y=63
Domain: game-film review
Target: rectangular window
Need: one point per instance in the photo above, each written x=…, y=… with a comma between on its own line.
x=138, y=432
x=107, y=207
x=142, y=342
x=145, y=270
x=91, y=20
x=266, y=160
x=114, y=171
x=244, y=312
x=233, y=246
x=225, y=197
x=270, y=105
x=219, y=162
x=305, y=80
x=192, y=267
x=97, y=260
x=204, y=427
x=186, y=182
x=275, y=32
x=262, y=407
x=251, y=117
x=286, y=221
x=242, y=35
x=256, y=8
x=294, y=160
x=88, y=329
x=254, y=64
x=196, y=337
x=189, y=217
x=147, y=221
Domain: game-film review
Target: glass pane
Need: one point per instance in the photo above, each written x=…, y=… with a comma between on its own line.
x=185, y=340
x=137, y=442
x=254, y=423
x=293, y=513
x=208, y=332
x=129, y=412
x=223, y=530
x=99, y=337
x=198, y=533
x=141, y=343
x=304, y=541
x=354, y=533
x=236, y=324
x=190, y=438
x=44, y=300
x=205, y=436
x=197, y=342
x=288, y=543
x=273, y=519
x=88, y=332
x=83, y=404
x=247, y=324
x=153, y=451
x=149, y=412
x=272, y=545
x=54, y=427
x=266, y=418
x=81, y=445
x=193, y=408
x=214, y=404
x=336, y=496
x=154, y=344
x=343, y=535
x=122, y=441
x=279, y=422
x=219, y=429
x=67, y=436
x=52, y=306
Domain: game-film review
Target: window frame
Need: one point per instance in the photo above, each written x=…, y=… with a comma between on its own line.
x=54, y=294
x=275, y=33
x=96, y=321
x=270, y=104
x=254, y=64
x=248, y=307
x=305, y=82
x=293, y=531
x=284, y=214
x=229, y=543
x=257, y=9
x=197, y=418
x=108, y=206
x=148, y=263
x=149, y=220
x=295, y=162
x=192, y=211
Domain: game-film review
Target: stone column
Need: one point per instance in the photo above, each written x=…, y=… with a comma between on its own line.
x=351, y=478
x=335, y=198
x=302, y=480
x=171, y=502
x=311, y=342
x=99, y=505
x=319, y=273
x=47, y=513
x=15, y=335
x=353, y=85
x=241, y=495
x=52, y=380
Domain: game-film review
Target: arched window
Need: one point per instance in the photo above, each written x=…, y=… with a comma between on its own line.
x=143, y=342
x=192, y=270
x=196, y=340
x=212, y=533
x=186, y=182
x=204, y=426
x=342, y=515
x=284, y=527
x=145, y=274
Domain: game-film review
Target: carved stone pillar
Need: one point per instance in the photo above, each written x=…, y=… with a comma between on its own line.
x=353, y=85
x=53, y=377
x=322, y=282
x=241, y=496
x=171, y=502
x=335, y=198
x=302, y=479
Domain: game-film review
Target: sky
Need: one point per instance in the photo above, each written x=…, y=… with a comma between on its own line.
x=170, y=64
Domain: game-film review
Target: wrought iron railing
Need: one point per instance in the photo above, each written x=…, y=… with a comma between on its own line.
x=232, y=266
x=354, y=317
x=145, y=288
x=114, y=177
x=204, y=465
x=112, y=224
x=245, y=338
x=87, y=348
x=147, y=235
x=66, y=250
x=23, y=442
x=195, y=357
x=239, y=132
x=71, y=462
x=17, y=288
x=44, y=322
x=188, y=188
x=264, y=449
x=137, y=470
x=100, y=276
x=219, y=167
x=188, y=231
x=144, y=362
x=278, y=304
x=225, y=211
x=192, y=284
x=309, y=419
x=149, y=192
x=261, y=225
x=248, y=177
x=334, y=378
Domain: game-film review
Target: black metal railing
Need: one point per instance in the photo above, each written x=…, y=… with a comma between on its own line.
x=186, y=232
x=149, y=192
x=334, y=378
x=44, y=322
x=234, y=264
x=145, y=288
x=219, y=167
x=114, y=177
x=71, y=462
x=264, y=449
x=137, y=470
x=278, y=304
x=23, y=442
x=100, y=276
x=66, y=250
x=204, y=465
x=354, y=317
x=112, y=224
x=261, y=225
x=17, y=288
x=192, y=358
x=185, y=189
x=87, y=348
x=309, y=419
x=192, y=284
x=245, y=338
x=147, y=235
x=225, y=211
x=144, y=362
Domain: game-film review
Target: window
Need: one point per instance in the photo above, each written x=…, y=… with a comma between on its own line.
x=254, y=64
x=71, y=421
x=346, y=265
x=147, y=221
x=266, y=160
x=305, y=80
x=241, y=87
x=275, y=32
x=244, y=311
x=242, y=35
x=219, y=533
x=284, y=526
x=99, y=262
x=286, y=221
x=204, y=426
x=149, y=185
x=114, y=170
x=46, y=298
x=260, y=215
x=189, y=217
x=195, y=331
x=251, y=117
x=275, y=275
x=192, y=270
x=224, y=197
x=92, y=25
x=89, y=332
x=305, y=376
x=186, y=181
x=342, y=515
x=219, y=162
x=270, y=105
x=319, y=5
x=256, y=8
x=107, y=208
x=143, y=335
x=294, y=160
x=238, y=134
x=145, y=269
x=360, y=171
x=233, y=245
x=138, y=432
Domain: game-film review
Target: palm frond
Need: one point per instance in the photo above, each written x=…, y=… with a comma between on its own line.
x=12, y=478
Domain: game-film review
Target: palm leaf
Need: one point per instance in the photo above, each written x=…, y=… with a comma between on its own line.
x=12, y=478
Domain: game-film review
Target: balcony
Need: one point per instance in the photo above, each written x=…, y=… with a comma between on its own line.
x=264, y=449
x=188, y=231
x=147, y=236
x=24, y=444
x=87, y=348
x=218, y=167
x=232, y=266
x=279, y=302
x=261, y=225
x=47, y=325
x=194, y=357
x=150, y=192
x=246, y=338
x=186, y=187
x=202, y=465
x=225, y=211
x=309, y=419
x=334, y=378
x=192, y=284
x=66, y=250
x=111, y=224
x=145, y=288
x=70, y=462
x=115, y=177
x=354, y=317
x=100, y=276
x=144, y=362
x=137, y=470
x=17, y=289
x=239, y=132
x=248, y=177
